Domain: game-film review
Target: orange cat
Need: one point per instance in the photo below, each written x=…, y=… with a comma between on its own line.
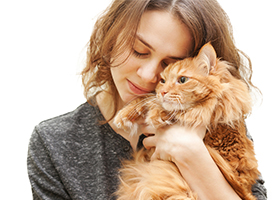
x=193, y=91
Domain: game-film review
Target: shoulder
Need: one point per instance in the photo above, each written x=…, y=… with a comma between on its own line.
x=83, y=117
x=62, y=149
x=84, y=113
x=70, y=129
x=56, y=147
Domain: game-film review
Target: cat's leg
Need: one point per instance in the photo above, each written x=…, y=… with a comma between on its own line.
x=128, y=117
x=158, y=117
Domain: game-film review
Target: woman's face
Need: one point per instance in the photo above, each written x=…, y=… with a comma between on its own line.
x=161, y=39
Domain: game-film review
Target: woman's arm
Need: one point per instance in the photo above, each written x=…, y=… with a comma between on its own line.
x=44, y=179
x=185, y=147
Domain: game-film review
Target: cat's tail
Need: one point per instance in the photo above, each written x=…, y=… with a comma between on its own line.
x=230, y=176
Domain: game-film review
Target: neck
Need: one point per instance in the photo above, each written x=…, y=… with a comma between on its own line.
x=105, y=103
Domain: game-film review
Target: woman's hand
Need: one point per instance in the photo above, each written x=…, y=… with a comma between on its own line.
x=174, y=143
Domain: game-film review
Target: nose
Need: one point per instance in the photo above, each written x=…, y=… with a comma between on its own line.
x=149, y=72
x=163, y=92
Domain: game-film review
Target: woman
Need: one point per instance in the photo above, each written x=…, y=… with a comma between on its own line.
x=77, y=155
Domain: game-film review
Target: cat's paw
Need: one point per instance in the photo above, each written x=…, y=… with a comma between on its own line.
x=124, y=123
x=159, y=119
x=156, y=122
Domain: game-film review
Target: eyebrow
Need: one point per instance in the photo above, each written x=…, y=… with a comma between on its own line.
x=144, y=42
x=139, y=37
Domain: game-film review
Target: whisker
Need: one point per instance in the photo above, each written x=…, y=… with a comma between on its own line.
x=141, y=103
x=176, y=110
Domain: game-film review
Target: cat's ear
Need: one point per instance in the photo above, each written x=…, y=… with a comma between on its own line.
x=207, y=58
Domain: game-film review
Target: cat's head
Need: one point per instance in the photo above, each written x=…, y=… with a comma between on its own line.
x=184, y=83
x=204, y=82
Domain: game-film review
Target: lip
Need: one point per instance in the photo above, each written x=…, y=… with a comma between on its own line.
x=137, y=89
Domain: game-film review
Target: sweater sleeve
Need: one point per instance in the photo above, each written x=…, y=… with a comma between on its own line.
x=44, y=179
x=258, y=189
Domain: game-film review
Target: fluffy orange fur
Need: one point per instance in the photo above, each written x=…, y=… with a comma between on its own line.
x=193, y=91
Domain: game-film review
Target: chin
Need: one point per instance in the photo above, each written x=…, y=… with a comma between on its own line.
x=126, y=98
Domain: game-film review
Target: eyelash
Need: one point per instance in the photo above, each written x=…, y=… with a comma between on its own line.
x=139, y=55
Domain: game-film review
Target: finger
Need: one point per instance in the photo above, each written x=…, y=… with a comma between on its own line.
x=150, y=142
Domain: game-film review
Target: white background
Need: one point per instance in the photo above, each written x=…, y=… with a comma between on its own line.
x=42, y=51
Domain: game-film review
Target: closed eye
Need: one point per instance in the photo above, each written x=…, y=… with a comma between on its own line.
x=138, y=54
x=164, y=64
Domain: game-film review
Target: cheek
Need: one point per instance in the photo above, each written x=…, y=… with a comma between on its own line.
x=120, y=74
x=124, y=65
x=115, y=73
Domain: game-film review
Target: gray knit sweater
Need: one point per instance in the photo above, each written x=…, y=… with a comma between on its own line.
x=74, y=157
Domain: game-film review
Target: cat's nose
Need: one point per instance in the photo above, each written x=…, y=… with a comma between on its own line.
x=163, y=92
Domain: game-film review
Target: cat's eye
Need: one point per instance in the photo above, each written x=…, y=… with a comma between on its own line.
x=162, y=81
x=183, y=80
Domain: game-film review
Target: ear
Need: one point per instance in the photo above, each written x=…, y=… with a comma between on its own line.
x=207, y=58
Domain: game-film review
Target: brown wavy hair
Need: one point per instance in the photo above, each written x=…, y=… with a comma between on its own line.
x=206, y=20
